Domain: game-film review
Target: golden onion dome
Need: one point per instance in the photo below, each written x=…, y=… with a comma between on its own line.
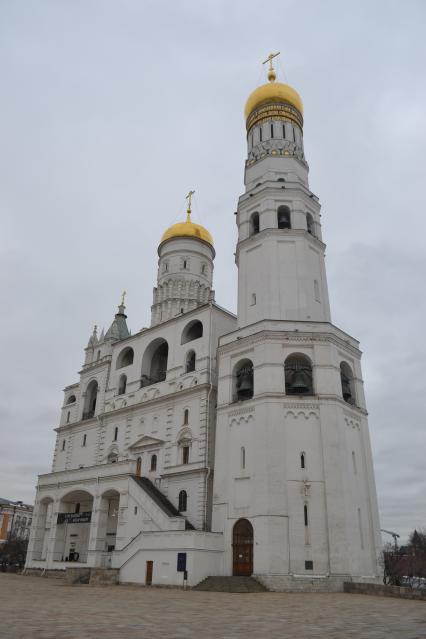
x=273, y=99
x=272, y=93
x=188, y=229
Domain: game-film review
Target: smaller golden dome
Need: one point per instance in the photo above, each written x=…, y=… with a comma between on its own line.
x=188, y=229
x=273, y=92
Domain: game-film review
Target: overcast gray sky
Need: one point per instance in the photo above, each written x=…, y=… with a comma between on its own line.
x=111, y=110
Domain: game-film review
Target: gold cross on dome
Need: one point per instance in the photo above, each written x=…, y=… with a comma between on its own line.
x=188, y=210
x=269, y=59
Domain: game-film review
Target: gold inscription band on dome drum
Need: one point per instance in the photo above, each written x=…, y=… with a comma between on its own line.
x=270, y=111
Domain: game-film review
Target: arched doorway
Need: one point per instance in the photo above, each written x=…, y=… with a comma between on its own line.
x=242, y=548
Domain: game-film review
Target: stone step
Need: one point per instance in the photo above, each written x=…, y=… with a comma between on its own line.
x=230, y=584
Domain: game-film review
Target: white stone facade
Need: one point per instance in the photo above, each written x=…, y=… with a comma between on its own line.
x=241, y=442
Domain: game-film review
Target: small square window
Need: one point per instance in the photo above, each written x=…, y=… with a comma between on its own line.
x=309, y=565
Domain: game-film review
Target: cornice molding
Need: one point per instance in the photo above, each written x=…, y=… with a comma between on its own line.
x=295, y=336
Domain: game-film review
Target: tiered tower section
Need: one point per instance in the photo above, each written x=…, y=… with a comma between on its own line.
x=185, y=270
x=279, y=222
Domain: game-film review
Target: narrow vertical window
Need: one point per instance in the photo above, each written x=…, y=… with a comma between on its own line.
x=183, y=500
x=302, y=460
x=63, y=444
x=260, y=134
x=305, y=514
x=252, y=140
x=294, y=133
x=84, y=439
x=186, y=416
x=354, y=463
x=284, y=131
x=77, y=508
x=272, y=130
x=243, y=457
x=361, y=534
x=184, y=263
x=68, y=417
x=153, y=463
x=253, y=299
x=185, y=455
x=115, y=433
x=316, y=291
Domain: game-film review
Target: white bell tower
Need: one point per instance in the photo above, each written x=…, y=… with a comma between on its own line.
x=294, y=491
x=278, y=218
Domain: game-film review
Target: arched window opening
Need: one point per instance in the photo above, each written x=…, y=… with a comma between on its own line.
x=98, y=355
x=272, y=130
x=305, y=514
x=125, y=358
x=243, y=457
x=186, y=416
x=302, y=460
x=185, y=454
x=310, y=224
x=298, y=375
x=192, y=331
x=153, y=466
x=243, y=381
x=347, y=381
x=68, y=417
x=183, y=501
x=138, y=466
x=190, y=362
x=154, y=362
x=254, y=224
x=84, y=439
x=122, y=384
x=115, y=434
x=63, y=444
x=283, y=217
x=71, y=399
x=112, y=458
x=90, y=400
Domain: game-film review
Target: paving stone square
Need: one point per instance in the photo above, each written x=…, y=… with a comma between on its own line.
x=47, y=608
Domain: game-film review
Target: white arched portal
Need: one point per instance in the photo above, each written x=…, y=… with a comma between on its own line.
x=73, y=527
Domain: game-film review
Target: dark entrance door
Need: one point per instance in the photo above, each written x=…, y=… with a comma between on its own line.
x=242, y=547
x=148, y=576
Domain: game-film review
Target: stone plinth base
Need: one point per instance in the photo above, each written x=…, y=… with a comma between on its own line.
x=384, y=591
x=77, y=575
x=301, y=583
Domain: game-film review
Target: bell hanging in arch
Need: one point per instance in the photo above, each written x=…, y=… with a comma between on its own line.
x=298, y=384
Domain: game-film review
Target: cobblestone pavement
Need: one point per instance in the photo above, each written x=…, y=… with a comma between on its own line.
x=43, y=608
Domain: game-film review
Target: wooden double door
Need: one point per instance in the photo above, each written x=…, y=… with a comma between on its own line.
x=242, y=548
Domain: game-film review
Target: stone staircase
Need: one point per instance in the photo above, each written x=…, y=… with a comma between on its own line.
x=230, y=584
x=161, y=500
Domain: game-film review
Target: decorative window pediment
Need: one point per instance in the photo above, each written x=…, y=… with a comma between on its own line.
x=146, y=442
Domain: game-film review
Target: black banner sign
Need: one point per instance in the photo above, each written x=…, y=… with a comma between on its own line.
x=74, y=518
